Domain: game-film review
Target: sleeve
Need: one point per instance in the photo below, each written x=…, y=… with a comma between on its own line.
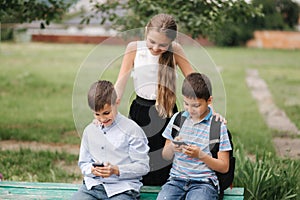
x=224, y=139
x=138, y=153
x=168, y=130
x=85, y=158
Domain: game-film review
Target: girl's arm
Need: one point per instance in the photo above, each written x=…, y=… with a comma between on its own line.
x=186, y=68
x=181, y=60
x=126, y=67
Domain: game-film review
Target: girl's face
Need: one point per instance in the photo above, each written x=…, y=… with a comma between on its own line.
x=197, y=108
x=157, y=42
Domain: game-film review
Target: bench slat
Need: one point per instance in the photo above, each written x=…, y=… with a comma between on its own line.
x=53, y=191
x=236, y=191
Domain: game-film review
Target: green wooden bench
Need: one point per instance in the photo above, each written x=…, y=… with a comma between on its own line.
x=39, y=190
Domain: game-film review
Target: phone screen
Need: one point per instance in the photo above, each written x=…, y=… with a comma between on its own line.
x=179, y=142
x=98, y=164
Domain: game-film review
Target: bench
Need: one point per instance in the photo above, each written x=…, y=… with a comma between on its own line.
x=41, y=190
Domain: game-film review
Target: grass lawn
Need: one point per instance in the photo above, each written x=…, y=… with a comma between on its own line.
x=37, y=83
x=279, y=68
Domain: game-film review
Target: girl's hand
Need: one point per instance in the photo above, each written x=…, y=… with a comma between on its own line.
x=96, y=122
x=220, y=118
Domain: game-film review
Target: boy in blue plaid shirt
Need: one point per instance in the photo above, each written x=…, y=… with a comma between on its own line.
x=193, y=171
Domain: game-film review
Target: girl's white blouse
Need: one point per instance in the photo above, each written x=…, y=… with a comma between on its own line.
x=145, y=72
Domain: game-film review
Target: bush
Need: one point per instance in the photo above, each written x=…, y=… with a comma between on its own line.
x=233, y=35
x=268, y=177
x=6, y=34
x=277, y=15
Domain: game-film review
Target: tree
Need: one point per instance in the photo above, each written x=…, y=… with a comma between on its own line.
x=289, y=11
x=20, y=11
x=195, y=17
x=277, y=15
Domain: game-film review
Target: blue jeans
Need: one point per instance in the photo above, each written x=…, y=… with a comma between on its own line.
x=181, y=189
x=98, y=192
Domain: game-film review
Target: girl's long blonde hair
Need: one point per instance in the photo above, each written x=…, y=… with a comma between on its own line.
x=166, y=97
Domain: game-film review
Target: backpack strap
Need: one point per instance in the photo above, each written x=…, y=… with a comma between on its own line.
x=178, y=122
x=214, y=136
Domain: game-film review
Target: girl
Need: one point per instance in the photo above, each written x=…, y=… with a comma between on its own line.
x=152, y=64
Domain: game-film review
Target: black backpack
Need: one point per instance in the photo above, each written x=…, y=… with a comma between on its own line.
x=225, y=180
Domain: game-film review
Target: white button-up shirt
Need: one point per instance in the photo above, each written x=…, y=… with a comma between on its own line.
x=123, y=144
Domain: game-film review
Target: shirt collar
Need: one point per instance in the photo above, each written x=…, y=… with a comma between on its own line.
x=206, y=118
x=116, y=120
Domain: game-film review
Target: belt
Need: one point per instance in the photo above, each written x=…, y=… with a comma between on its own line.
x=145, y=102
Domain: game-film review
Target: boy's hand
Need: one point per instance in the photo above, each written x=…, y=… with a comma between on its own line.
x=194, y=151
x=176, y=147
x=106, y=171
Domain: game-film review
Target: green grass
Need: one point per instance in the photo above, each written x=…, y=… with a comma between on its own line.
x=36, y=86
x=243, y=116
x=37, y=83
x=36, y=91
x=279, y=68
x=41, y=166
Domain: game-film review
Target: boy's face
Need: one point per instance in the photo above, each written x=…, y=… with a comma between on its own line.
x=197, y=108
x=106, y=116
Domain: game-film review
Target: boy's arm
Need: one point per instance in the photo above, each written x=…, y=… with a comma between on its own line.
x=220, y=164
x=138, y=153
x=168, y=151
x=170, y=148
x=85, y=159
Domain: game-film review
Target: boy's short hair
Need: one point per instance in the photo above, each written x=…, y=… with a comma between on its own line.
x=197, y=85
x=101, y=92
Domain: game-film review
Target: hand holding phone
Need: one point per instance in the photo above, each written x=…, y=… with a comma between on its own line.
x=179, y=143
x=98, y=165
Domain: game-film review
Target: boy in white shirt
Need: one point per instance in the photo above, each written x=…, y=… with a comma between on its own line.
x=117, y=144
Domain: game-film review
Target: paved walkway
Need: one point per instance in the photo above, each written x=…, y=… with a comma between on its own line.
x=275, y=118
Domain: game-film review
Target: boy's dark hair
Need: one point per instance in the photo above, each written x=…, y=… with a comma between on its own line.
x=197, y=85
x=101, y=92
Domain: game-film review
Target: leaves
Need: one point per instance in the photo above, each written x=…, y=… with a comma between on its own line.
x=194, y=17
x=268, y=177
x=20, y=11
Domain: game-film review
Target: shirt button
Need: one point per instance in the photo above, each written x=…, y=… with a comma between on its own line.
x=102, y=147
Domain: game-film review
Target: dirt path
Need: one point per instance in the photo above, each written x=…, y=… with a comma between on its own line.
x=275, y=118
x=37, y=146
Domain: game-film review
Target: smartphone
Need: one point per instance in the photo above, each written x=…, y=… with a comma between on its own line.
x=98, y=165
x=179, y=142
